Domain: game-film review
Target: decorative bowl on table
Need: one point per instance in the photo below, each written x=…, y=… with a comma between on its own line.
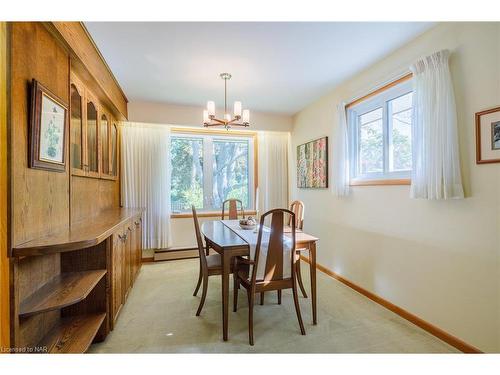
x=248, y=223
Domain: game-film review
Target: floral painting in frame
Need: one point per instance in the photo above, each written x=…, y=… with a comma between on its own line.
x=312, y=164
x=48, y=124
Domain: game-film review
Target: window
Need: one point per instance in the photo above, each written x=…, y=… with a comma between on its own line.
x=207, y=169
x=380, y=135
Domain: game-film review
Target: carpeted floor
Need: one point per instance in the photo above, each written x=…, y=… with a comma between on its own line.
x=159, y=317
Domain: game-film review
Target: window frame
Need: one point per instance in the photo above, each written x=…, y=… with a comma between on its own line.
x=208, y=137
x=378, y=99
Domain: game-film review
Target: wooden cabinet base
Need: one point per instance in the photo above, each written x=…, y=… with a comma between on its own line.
x=70, y=286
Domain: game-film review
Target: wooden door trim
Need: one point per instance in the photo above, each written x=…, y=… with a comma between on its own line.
x=4, y=188
x=432, y=329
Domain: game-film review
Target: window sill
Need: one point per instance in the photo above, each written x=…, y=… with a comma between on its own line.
x=399, y=181
x=185, y=215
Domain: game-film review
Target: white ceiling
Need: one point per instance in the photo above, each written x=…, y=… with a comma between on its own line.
x=277, y=67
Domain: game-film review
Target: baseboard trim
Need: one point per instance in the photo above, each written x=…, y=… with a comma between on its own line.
x=176, y=253
x=432, y=329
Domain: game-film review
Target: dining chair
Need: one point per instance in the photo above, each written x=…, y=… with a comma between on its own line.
x=233, y=209
x=273, y=278
x=209, y=264
x=297, y=207
x=232, y=214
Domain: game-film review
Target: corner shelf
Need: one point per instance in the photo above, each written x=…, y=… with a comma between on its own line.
x=73, y=334
x=63, y=290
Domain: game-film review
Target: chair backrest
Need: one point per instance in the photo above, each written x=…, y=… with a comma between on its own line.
x=297, y=207
x=233, y=209
x=276, y=248
x=203, y=258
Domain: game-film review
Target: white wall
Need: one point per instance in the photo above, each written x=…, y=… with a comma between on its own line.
x=162, y=113
x=437, y=259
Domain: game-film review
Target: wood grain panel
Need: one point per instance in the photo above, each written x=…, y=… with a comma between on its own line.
x=90, y=196
x=4, y=264
x=40, y=204
x=87, y=54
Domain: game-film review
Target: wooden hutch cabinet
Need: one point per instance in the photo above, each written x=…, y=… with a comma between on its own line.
x=93, y=135
x=74, y=253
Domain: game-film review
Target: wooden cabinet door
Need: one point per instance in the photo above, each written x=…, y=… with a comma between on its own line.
x=126, y=262
x=133, y=250
x=116, y=279
x=138, y=243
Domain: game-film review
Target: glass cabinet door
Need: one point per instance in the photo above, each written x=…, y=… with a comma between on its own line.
x=104, y=145
x=114, y=150
x=92, y=151
x=76, y=131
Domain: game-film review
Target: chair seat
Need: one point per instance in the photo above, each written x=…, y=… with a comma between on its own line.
x=214, y=261
x=243, y=270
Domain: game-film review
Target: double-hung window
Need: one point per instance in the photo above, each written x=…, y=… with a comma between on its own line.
x=380, y=136
x=208, y=168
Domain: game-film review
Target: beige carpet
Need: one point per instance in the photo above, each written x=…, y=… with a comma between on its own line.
x=159, y=317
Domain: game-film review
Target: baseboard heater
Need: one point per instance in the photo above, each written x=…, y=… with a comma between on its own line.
x=176, y=253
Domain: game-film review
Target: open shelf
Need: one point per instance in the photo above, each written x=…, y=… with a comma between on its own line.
x=64, y=290
x=73, y=334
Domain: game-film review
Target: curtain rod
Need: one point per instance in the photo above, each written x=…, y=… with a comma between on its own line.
x=377, y=90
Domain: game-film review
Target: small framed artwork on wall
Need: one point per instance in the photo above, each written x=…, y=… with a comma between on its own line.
x=47, y=129
x=488, y=136
x=312, y=164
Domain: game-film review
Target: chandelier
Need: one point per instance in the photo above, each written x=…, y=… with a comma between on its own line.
x=238, y=118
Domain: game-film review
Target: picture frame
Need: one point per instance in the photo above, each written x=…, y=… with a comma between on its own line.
x=488, y=136
x=312, y=164
x=48, y=126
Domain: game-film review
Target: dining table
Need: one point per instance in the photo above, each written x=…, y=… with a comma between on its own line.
x=226, y=242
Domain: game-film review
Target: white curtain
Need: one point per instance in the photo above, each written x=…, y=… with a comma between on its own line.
x=273, y=170
x=436, y=165
x=146, y=178
x=340, y=163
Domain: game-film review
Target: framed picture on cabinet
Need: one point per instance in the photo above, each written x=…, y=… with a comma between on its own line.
x=47, y=129
x=488, y=136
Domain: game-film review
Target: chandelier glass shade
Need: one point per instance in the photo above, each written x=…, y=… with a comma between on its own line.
x=239, y=117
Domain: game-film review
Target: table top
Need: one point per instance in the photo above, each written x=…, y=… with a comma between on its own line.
x=223, y=236
x=220, y=234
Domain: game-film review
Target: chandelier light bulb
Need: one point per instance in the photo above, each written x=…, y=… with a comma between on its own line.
x=246, y=116
x=237, y=109
x=206, y=119
x=211, y=108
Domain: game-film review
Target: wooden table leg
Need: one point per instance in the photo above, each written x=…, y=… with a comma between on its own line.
x=207, y=243
x=226, y=268
x=312, y=268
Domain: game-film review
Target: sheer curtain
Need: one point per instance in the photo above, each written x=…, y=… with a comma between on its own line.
x=340, y=162
x=146, y=178
x=436, y=165
x=273, y=170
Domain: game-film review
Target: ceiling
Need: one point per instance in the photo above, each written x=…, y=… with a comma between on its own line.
x=277, y=67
